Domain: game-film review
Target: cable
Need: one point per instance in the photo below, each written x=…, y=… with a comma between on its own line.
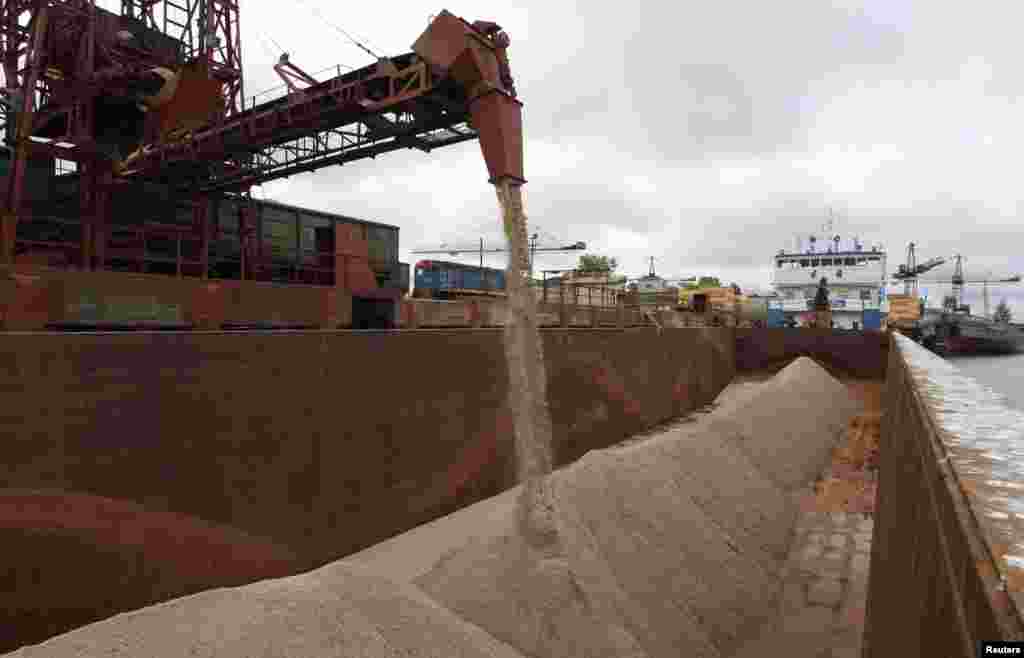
x=266, y=46
x=350, y=37
x=342, y=31
x=279, y=47
x=369, y=41
x=263, y=36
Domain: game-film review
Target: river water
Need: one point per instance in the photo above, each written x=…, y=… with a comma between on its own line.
x=1002, y=374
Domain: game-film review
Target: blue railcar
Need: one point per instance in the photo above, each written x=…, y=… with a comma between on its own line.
x=776, y=317
x=443, y=280
x=472, y=280
x=427, y=279
x=872, y=319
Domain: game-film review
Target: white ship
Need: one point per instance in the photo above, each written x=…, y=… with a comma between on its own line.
x=855, y=277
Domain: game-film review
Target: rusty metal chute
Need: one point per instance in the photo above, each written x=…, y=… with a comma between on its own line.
x=475, y=56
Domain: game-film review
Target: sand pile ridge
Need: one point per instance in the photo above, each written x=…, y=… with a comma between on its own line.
x=666, y=546
x=790, y=426
x=334, y=611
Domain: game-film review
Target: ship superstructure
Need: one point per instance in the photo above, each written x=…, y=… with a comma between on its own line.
x=855, y=279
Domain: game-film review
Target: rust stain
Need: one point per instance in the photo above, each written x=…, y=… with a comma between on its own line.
x=1014, y=579
x=195, y=548
x=25, y=279
x=969, y=488
x=850, y=485
x=613, y=389
x=472, y=460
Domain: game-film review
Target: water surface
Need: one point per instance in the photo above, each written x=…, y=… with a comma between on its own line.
x=1003, y=374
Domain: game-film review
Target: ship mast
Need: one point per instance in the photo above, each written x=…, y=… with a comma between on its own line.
x=910, y=284
x=954, y=302
x=985, y=297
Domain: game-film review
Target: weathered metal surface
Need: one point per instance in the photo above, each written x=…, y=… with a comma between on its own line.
x=945, y=570
x=863, y=354
x=94, y=307
x=983, y=440
x=136, y=554
x=32, y=299
x=475, y=57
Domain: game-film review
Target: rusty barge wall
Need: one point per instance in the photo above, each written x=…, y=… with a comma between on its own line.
x=432, y=313
x=31, y=298
x=174, y=462
x=862, y=354
x=949, y=539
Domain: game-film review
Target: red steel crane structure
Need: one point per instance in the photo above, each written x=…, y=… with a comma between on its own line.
x=78, y=80
x=155, y=95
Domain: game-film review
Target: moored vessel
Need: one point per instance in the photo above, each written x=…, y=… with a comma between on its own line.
x=962, y=333
x=854, y=275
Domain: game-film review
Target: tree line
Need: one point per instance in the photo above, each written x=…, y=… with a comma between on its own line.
x=596, y=264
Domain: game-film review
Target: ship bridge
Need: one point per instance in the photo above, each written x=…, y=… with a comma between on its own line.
x=856, y=279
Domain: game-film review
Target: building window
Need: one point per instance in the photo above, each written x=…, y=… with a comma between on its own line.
x=64, y=167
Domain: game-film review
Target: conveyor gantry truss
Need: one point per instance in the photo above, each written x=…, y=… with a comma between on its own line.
x=362, y=114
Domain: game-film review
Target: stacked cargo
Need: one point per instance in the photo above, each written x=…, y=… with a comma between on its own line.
x=904, y=309
x=751, y=310
x=716, y=299
x=722, y=300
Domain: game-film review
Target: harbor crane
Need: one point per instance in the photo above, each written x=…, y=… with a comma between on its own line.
x=985, y=296
x=909, y=272
x=954, y=301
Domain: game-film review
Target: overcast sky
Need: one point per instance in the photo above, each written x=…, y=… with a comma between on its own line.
x=705, y=135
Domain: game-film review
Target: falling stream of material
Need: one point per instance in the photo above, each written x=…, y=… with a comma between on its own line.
x=527, y=380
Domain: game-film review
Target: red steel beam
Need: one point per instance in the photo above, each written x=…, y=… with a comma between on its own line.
x=15, y=179
x=473, y=55
x=337, y=102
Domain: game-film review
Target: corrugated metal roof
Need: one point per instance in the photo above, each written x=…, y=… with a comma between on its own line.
x=320, y=213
